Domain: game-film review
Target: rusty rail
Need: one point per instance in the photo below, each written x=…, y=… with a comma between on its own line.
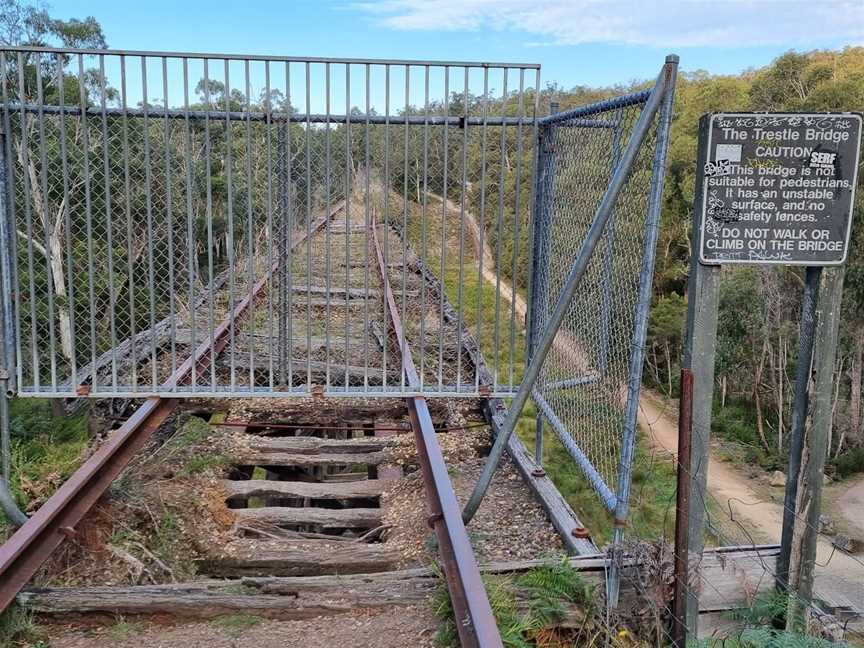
x=475, y=622
x=32, y=544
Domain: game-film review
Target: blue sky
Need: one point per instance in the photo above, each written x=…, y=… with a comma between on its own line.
x=576, y=41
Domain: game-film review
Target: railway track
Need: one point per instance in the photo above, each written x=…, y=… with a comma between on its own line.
x=309, y=490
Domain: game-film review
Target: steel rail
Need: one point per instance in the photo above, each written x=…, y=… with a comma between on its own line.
x=475, y=622
x=259, y=57
x=34, y=542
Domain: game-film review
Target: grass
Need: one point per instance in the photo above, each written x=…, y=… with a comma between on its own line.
x=18, y=628
x=46, y=449
x=124, y=629
x=234, y=625
x=527, y=607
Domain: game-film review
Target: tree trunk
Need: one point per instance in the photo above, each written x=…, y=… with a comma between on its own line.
x=757, y=381
x=855, y=389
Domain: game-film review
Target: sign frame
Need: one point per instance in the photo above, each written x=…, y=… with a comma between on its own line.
x=702, y=199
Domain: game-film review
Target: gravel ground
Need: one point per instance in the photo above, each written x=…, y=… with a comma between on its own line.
x=509, y=524
x=396, y=628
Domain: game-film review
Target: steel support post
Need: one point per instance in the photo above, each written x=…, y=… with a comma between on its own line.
x=640, y=329
x=703, y=297
x=577, y=270
x=808, y=504
x=543, y=198
x=7, y=347
x=800, y=407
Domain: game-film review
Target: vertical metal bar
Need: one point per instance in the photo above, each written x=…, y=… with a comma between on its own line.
x=703, y=297
x=517, y=216
x=347, y=213
x=443, y=249
x=208, y=171
x=284, y=289
x=28, y=215
x=481, y=224
x=462, y=196
x=640, y=325
x=403, y=350
x=151, y=270
x=12, y=288
x=229, y=207
x=682, y=512
x=67, y=224
x=268, y=125
x=169, y=221
x=424, y=250
x=800, y=407
x=572, y=282
x=47, y=225
x=191, y=229
x=499, y=229
x=386, y=199
x=368, y=228
x=532, y=204
x=308, y=232
x=127, y=187
x=290, y=226
x=88, y=212
x=539, y=295
x=327, y=224
x=250, y=229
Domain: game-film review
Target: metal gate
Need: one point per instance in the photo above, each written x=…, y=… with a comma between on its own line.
x=161, y=209
x=147, y=194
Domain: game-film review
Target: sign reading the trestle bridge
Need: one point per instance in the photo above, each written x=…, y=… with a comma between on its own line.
x=778, y=188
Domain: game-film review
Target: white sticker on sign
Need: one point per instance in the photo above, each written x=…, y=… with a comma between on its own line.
x=730, y=152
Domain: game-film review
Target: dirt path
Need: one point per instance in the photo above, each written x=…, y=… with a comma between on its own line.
x=839, y=577
x=851, y=505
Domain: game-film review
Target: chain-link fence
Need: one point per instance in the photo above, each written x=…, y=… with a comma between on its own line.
x=582, y=390
x=147, y=194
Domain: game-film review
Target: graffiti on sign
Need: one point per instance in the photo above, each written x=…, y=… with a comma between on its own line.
x=778, y=188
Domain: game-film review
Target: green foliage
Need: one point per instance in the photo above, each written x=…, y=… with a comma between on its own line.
x=234, y=625
x=850, y=463
x=551, y=589
x=555, y=585
x=46, y=449
x=759, y=631
x=18, y=628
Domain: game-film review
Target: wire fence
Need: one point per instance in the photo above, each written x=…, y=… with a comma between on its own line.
x=147, y=193
x=585, y=383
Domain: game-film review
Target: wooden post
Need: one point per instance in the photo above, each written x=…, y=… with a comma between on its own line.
x=805, y=531
x=703, y=298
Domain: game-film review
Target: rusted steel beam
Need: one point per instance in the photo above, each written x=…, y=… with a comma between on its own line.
x=32, y=544
x=475, y=622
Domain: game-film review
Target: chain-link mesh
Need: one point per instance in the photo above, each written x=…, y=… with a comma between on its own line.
x=582, y=389
x=151, y=196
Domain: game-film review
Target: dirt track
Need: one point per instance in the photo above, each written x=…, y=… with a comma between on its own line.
x=839, y=577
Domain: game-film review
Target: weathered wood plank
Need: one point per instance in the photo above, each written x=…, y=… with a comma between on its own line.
x=352, y=518
x=308, y=460
x=316, y=445
x=319, y=369
x=296, y=597
x=368, y=488
x=298, y=558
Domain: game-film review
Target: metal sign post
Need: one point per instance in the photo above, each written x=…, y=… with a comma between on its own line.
x=770, y=189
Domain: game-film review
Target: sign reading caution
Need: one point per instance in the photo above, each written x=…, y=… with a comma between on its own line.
x=778, y=188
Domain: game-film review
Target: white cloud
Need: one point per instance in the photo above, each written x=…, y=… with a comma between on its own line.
x=663, y=23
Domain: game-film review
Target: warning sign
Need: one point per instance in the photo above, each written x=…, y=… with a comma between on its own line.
x=778, y=188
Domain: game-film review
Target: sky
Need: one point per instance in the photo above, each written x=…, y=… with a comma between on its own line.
x=577, y=42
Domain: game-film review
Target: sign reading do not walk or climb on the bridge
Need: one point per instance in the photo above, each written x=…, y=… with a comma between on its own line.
x=779, y=188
